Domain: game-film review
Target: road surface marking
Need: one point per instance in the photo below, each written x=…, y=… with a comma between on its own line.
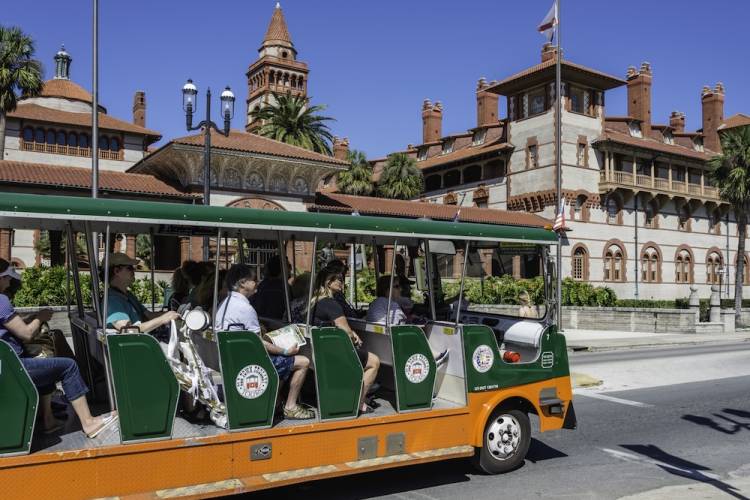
x=612, y=399
x=699, y=475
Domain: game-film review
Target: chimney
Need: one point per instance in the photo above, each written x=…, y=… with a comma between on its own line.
x=713, y=115
x=486, y=104
x=432, y=121
x=139, y=108
x=549, y=52
x=341, y=148
x=677, y=121
x=639, y=96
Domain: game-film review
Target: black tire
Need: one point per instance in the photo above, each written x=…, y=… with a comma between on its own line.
x=488, y=458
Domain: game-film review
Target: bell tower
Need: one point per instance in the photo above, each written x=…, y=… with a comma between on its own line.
x=277, y=69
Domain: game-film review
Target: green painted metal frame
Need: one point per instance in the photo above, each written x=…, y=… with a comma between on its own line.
x=145, y=387
x=407, y=341
x=552, y=361
x=244, y=352
x=338, y=374
x=20, y=402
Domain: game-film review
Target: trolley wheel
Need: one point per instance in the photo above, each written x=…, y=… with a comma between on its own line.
x=506, y=440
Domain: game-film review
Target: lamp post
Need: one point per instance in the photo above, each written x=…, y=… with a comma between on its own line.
x=190, y=106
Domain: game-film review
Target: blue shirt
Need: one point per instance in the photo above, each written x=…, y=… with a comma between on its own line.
x=234, y=311
x=124, y=306
x=6, y=312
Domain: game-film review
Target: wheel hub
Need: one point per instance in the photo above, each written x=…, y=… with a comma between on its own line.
x=503, y=437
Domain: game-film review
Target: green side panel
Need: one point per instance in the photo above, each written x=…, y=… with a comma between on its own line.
x=481, y=353
x=250, y=380
x=146, y=389
x=414, y=368
x=338, y=372
x=18, y=404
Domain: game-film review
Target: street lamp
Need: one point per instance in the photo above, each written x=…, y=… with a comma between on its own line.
x=190, y=106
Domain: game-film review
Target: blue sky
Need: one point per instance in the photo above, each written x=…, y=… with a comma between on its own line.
x=373, y=63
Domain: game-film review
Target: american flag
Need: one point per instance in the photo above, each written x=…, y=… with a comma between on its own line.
x=548, y=24
x=560, y=219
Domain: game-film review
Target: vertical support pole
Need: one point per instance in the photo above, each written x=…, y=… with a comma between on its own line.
x=241, y=247
x=93, y=261
x=207, y=171
x=74, y=269
x=430, y=283
x=285, y=276
x=461, y=288
x=558, y=154
x=107, y=369
x=95, y=105
x=636, y=255
x=352, y=273
x=726, y=266
x=294, y=256
x=312, y=285
x=216, y=279
x=153, y=263
x=390, y=288
x=376, y=256
x=226, y=250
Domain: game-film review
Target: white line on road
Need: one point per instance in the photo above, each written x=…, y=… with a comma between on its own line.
x=612, y=399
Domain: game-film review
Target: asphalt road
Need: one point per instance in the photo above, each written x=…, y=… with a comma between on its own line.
x=628, y=442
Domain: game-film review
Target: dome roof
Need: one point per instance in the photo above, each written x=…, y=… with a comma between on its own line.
x=67, y=90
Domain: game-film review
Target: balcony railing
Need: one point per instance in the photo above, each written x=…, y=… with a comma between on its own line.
x=61, y=149
x=646, y=181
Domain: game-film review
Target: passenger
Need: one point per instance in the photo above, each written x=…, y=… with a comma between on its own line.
x=46, y=372
x=404, y=298
x=203, y=294
x=270, y=299
x=338, y=267
x=123, y=308
x=526, y=311
x=195, y=272
x=235, y=312
x=180, y=289
x=328, y=312
x=376, y=313
x=299, y=289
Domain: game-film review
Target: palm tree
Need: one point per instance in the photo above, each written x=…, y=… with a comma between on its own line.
x=401, y=178
x=20, y=74
x=292, y=120
x=730, y=172
x=358, y=179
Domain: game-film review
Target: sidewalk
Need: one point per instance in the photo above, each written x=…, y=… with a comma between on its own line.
x=605, y=340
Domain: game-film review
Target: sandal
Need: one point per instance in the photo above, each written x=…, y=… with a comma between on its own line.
x=299, y=413
x=368, y=409
x=107, y=421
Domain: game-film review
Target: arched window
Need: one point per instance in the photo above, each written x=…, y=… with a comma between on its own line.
x=114, y=144
x=581, y=211
x=472, y=173
x=62, y=138
x=452, y=178
x=28, y=134
x=651, y=218
x=683, y=223
x=580, y=264
x=103, y=142
x=613, y=211
x=73, y=140
x=713, y=268
x=683, y=264
x=494, y=169
x=39, y=135
x=432, y=182
x=83, y=141
x=650, y=265
x=614, y=263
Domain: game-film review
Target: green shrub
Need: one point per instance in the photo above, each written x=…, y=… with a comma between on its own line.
x=577, y=293
x=366, y=287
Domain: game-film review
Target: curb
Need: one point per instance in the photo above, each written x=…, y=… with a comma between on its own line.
x=594, y=348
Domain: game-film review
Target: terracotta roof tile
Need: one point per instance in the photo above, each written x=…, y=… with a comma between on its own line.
x=254, y=143
x=463, y=154
x=66, y=89
x=50, y=115
x=336, y=202
x=39, y=174
x=277, y=31
x=738, y=120
x=610, y=135
x=543, y=70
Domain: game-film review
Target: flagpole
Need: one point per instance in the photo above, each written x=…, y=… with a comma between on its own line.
x=558, y=154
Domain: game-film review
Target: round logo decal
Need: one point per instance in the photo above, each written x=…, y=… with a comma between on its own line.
x=252, y=381
x=483, y=358
x=417, y=368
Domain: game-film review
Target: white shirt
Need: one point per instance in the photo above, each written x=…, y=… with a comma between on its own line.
x=376, y=312
x=234, y=311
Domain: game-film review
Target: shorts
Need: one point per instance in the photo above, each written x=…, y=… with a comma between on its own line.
x=362, y=354
x=283, y=365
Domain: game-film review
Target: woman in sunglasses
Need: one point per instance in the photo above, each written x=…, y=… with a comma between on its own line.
x=326, y=311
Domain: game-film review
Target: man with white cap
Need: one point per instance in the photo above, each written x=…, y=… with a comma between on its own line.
x=123, y=308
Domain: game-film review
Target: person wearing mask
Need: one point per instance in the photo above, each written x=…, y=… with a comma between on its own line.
x=326, y=311
x=123, y=308
x=236, y=312
x=45, y=373
x=270, y=299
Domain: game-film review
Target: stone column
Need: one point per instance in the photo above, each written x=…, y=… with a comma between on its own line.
x=5, y=244
x=387, y=259
x=714, y=314
x=196, y=248
x=130, y=245
x=184, y=249
x=458, y=263
x=517, y=267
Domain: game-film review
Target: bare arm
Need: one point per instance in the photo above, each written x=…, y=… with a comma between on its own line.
x=342, y=323
x=151, y=324
x=24, y=331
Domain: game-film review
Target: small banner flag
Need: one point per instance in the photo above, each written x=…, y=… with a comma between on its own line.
x=560, y=219
x=549, y=23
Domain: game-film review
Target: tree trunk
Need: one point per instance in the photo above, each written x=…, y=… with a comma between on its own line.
x=2, y=135
x=739, y=276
